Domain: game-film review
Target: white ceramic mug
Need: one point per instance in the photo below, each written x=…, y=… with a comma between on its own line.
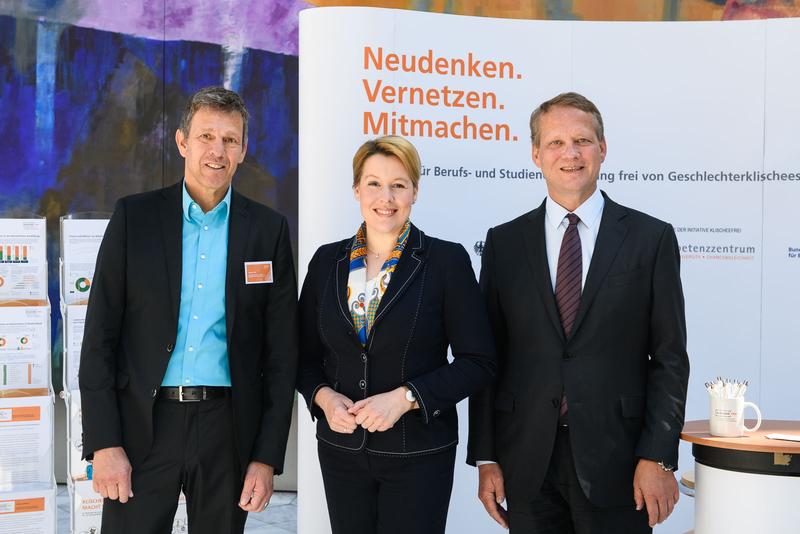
x=726, y=417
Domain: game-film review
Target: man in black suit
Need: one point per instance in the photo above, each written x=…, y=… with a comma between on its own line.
x=580, y=429
x=189, y=353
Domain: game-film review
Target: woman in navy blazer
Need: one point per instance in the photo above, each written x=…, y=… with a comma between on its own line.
x=378, y=313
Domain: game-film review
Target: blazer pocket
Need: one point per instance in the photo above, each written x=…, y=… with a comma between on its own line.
x=504, y=402
x=632, y=406
x=628, y=277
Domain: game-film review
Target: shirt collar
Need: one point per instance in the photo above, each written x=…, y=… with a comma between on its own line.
x=588, y=212
x=222, y=209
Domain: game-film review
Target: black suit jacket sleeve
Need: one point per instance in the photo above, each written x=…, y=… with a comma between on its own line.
x=310, y=377
x=101, y=337
x=668, y=370
x=480, y=446
x=279, y=361
x=467, y=332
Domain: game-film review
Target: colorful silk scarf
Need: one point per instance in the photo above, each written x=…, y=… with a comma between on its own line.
x=363, y=296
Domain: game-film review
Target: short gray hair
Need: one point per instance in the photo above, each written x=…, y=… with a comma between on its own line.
x=217, y=98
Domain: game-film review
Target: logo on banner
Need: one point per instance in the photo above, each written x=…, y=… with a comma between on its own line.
x=714, y=243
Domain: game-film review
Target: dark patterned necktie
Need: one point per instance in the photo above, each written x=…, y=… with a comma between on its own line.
x=568, y=275
x=568, y=286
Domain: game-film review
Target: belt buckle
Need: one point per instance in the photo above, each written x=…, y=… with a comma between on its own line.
x=181, y=399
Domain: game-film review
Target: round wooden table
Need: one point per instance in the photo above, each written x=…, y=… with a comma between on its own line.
x=747, y=484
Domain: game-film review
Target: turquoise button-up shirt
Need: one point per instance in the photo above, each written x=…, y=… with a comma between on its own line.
x=200, y=357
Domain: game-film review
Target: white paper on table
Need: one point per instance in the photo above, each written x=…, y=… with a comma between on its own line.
x=23, y=259
x=26, y=440
x=81, y=239
x=24, y=347
x=784, y=437
x=28, y=509
x=74, y=321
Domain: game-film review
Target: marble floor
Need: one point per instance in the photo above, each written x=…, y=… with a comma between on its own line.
x=280, y=517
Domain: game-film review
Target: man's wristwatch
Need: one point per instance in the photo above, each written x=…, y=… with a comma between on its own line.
x=410, y=396
x=667, y=468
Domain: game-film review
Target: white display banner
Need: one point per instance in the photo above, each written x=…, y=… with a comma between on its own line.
x=26, y=440
x=780, y=345
x=24, y=347
x=699, y=121
x=81, y=240
x=23, y=259
x=28, y=509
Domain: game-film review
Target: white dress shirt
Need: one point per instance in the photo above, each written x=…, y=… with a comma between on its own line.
x=556, y=222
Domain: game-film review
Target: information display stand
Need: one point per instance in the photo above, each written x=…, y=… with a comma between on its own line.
x=27, y=485
x=81, y=235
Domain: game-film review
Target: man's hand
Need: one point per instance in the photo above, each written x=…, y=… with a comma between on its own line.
x=379, y=413
x=257, y=488
x=492, y=493
x=335, y=406
x=655, y=488
x=111, y=474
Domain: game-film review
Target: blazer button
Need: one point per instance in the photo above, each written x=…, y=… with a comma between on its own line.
x=567, y=356
x=364, y=357
x=436, y=413
x=170, y=347
x=363, y=384
x=556, y=403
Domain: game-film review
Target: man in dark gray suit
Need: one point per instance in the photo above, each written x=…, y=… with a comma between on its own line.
x=580, y=429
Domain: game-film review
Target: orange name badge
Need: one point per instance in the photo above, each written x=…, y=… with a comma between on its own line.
x=258, y=272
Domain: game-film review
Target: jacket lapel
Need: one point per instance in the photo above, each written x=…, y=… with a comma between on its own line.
x=171, y=215
x=609, y=239
x=342, y=273
x=536, y=251
x=238, y=237
x=407, y=268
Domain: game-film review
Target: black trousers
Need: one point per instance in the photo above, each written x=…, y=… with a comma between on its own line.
x=371, y=494
x=562, y=507
x=193, y=450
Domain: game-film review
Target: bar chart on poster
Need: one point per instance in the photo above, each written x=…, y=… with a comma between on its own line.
x=23, y=260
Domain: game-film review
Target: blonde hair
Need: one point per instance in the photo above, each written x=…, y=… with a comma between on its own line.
x=388, y=145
